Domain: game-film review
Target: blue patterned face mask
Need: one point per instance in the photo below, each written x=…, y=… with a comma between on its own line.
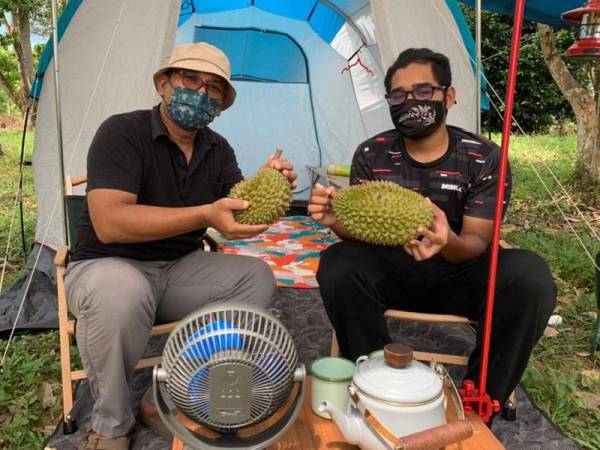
x=192, y=110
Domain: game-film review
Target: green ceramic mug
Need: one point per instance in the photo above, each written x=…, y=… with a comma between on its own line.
x=373, y=354
x=376, y=354
x=330, y=379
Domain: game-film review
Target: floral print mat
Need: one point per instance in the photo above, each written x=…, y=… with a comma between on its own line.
x=291, y=247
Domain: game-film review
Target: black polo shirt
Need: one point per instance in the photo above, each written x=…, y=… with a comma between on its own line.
x=462, y=182
x=132, y=152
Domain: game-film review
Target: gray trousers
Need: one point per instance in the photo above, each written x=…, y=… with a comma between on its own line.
x=116, y=301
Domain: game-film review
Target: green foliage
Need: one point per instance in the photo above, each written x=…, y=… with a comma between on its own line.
x=9, y=183
x=30, y=402
x=540, y=224
x=558, y=389
x=7, y=107
x=539, y=104
x=29, y=391
x=8, y=66
x=24, y=6
x=554, y=376
x=37, y=12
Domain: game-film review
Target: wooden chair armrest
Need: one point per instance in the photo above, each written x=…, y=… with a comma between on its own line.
x=76, y=181
x=62, y=256
x=427, y=317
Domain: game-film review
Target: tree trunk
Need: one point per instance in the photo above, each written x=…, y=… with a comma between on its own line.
x=582, y=101
x=24, y=55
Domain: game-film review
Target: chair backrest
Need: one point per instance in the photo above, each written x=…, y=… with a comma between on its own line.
x=74, y=206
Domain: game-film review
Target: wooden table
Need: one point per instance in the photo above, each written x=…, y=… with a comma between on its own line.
x=311, y=432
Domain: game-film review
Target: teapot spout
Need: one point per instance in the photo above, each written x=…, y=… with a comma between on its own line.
x=348, y=424
x=353, y=428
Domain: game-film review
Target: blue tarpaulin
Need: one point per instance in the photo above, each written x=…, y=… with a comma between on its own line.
x=257, y=55
x=326, y=18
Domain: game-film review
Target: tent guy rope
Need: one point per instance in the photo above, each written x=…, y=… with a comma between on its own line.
x=556, y=203
x=8, y=240
x=569, y=196
x=59, y=193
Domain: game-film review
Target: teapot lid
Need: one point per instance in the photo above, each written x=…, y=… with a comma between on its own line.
x=397, y=377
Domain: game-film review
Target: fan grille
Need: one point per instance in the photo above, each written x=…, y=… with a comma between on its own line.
x=227, y=335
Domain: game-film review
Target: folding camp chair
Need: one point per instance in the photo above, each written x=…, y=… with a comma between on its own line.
x=75, y=205
x=509, y=407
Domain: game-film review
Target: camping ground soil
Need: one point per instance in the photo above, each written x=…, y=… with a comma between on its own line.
x=562, y=377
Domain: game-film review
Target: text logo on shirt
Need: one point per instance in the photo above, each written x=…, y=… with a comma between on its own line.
x=451, y=187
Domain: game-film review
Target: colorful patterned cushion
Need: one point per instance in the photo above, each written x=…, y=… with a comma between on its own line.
x=291, y=247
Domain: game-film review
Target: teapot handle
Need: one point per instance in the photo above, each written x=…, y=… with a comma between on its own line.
x=430, y=439
x=450, y=388
x=437, y=437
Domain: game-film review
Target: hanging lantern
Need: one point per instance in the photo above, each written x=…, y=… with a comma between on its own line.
x=587, y=18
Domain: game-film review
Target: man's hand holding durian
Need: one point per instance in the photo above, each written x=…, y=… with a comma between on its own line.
x=319, y=206
x=434, y=238
x=266, y=196
x=321, y=211
x=220, y=216
x=284, y=166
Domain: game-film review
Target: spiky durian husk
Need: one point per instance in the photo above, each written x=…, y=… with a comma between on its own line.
x=382, y=212
x=269, y=194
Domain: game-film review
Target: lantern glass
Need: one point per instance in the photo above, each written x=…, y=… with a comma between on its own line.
x=589, y=26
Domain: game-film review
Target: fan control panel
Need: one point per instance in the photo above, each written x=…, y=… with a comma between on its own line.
x=230, y=391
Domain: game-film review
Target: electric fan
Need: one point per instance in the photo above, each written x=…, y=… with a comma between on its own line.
x=229, y=367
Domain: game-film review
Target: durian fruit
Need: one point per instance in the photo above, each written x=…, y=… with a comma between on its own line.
x=269, y=194
x=382, y=212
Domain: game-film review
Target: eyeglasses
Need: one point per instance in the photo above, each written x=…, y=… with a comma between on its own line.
x=420, y=93
x=194, y=82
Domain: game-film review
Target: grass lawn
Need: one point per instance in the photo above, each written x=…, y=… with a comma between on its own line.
x=563, y=378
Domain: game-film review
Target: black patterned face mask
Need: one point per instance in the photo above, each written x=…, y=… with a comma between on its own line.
x=417, y=119
x=192, y=110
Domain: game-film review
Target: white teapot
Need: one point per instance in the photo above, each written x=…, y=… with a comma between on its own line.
x=395, y=397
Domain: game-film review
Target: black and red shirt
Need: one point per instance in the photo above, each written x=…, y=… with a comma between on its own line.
x=462, y=182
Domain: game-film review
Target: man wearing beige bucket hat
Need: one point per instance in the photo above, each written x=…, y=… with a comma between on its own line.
x=156, y=180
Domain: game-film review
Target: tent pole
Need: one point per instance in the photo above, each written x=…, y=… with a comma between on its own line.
x=58, y=116
x=478, y=71
x=348, y=19
x=506, y=128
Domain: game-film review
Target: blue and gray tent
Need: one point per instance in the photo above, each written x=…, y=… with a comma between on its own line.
x=288, y=59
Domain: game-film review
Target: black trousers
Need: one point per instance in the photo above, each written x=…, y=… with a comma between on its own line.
x=358, y=282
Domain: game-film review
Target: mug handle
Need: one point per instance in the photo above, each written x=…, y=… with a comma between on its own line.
x=361, y=359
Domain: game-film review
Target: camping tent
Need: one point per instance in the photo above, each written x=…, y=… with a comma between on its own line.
x=288, y=60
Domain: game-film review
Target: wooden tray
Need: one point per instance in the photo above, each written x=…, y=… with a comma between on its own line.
x=312, y=432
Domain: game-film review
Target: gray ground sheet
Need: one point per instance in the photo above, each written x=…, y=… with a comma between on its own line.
x=304, y=315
